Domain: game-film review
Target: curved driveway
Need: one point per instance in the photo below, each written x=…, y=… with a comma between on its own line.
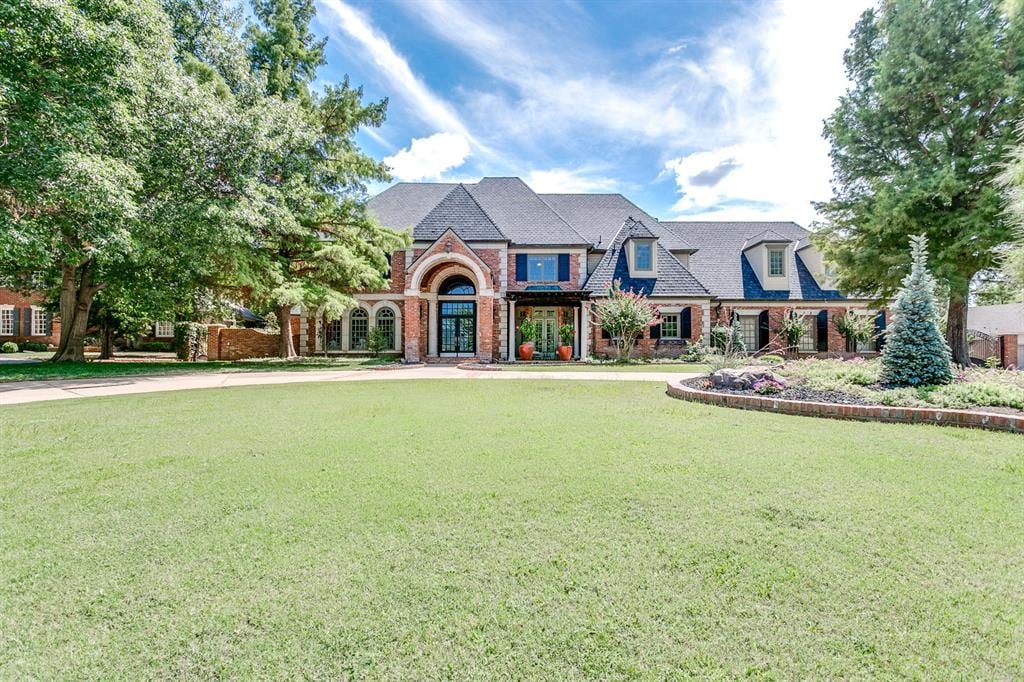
x=36, y=391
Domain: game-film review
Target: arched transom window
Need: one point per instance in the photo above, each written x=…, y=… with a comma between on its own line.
x=386, y=323
x=457, y=285
x=358, y=328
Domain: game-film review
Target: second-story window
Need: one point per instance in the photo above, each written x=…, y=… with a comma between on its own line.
x=643, y=255
x=776, y=262
x=542, y=268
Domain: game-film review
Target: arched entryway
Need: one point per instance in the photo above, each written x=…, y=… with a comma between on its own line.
x=456, y=318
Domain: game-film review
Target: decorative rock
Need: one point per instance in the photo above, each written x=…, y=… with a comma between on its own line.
x=742, y=379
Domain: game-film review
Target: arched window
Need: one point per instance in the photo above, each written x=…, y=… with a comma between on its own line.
x=358, y=327
x=457, y=285
x=386, y=323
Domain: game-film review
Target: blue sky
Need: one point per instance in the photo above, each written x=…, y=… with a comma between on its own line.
x=694, y=109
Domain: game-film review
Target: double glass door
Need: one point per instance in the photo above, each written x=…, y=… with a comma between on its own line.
x=457, y=328
x=547, y=332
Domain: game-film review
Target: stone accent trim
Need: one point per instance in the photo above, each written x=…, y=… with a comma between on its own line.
x=877, y=413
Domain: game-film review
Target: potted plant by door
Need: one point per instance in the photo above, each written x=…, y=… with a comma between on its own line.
x=528, y=334
x=565, y=335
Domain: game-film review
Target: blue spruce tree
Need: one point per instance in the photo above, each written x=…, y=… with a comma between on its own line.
x=915, y=352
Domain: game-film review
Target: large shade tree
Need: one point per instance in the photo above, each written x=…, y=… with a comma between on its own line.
x=917, y=142
x=120, y=168
x=321, y=245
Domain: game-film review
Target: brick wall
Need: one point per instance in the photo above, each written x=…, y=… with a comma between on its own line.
x=575, y=263
x=646, y=347
x=23, y=305
x=836, y=341
x=237, y=343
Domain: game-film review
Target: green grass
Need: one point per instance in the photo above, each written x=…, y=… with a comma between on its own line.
x=545, y=530
x=95, y=369
x=610, y=367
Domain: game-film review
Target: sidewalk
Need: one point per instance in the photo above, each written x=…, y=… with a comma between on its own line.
x=37, y=391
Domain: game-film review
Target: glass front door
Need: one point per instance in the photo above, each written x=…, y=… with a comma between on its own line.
x=547, y=333
x=457, y=328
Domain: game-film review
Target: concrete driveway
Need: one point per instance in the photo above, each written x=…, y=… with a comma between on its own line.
x=37, y=391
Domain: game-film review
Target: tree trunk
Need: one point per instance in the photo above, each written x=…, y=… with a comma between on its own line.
x=285, y=349
x=106, y=340
x=76, y=294
x=956, y=328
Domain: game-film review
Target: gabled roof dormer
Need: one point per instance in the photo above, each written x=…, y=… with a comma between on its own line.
x=769, y=256
x=641, y=248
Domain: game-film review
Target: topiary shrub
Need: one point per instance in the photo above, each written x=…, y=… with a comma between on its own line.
x=35, y=347
x=9, y=347
x=915, y=353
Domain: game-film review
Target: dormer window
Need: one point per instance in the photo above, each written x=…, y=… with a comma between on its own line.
x=641, y=257
x=776, y=262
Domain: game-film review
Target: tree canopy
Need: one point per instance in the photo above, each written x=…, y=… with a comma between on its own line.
x=917, y=142
x=146, y=155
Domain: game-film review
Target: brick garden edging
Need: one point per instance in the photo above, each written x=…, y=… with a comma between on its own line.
x=877, y=413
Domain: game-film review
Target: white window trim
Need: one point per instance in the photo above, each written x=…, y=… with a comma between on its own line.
x=546, y=256
x=634, y=271
x=810, y=337
x=4, y=332
x=776, y=249
x=157, y=326
x=38, y=326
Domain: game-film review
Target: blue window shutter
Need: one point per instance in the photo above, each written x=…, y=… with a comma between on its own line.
x=14, y=327
x=823, y=331
x=605, y=334
x=762, y=331
x=880, y=331
x=656, y=331
x=685, y=324
x=521, y=274
x=27, y=322
x=563, y=267
x=49, y=324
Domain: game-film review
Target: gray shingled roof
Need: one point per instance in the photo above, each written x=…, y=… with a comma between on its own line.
x=521, y=215
x=769, y=236
x=720, y=265
x=598, y=218
x=461, y=213
x=673, y=279
x=403, y=206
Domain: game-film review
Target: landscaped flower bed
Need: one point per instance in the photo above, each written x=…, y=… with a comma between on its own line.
x=857, y=382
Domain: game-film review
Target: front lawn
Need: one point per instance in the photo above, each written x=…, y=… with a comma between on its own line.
x=610, y=367
x=536, y=529
x=99, y=369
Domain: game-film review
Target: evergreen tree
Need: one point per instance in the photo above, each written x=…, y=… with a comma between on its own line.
x=917, y=141
x=915, y=354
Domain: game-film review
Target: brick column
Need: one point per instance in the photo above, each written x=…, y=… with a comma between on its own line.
x=213, y=341
x=411, y=328
x=1008, y=350
x=485, y=328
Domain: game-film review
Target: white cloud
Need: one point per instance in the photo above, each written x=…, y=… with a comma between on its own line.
x=427, y=158
x=565, y=181
x=375, y=47
x=777, y=161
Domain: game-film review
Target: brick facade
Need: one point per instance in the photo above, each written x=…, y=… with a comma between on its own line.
x=722, y=314
x=646, y=347
x=22, y=305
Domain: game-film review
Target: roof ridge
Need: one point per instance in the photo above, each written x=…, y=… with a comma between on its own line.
x=482, y=209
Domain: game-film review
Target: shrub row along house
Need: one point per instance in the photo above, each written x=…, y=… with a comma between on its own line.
x=487, y=255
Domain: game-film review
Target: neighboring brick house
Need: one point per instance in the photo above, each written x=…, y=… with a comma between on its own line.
x=23, y=318
x=487, y=254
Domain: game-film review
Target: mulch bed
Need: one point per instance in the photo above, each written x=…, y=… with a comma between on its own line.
x=813, y=396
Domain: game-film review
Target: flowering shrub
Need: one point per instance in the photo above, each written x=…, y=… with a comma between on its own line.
x=768, y=386
x=624, y=315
